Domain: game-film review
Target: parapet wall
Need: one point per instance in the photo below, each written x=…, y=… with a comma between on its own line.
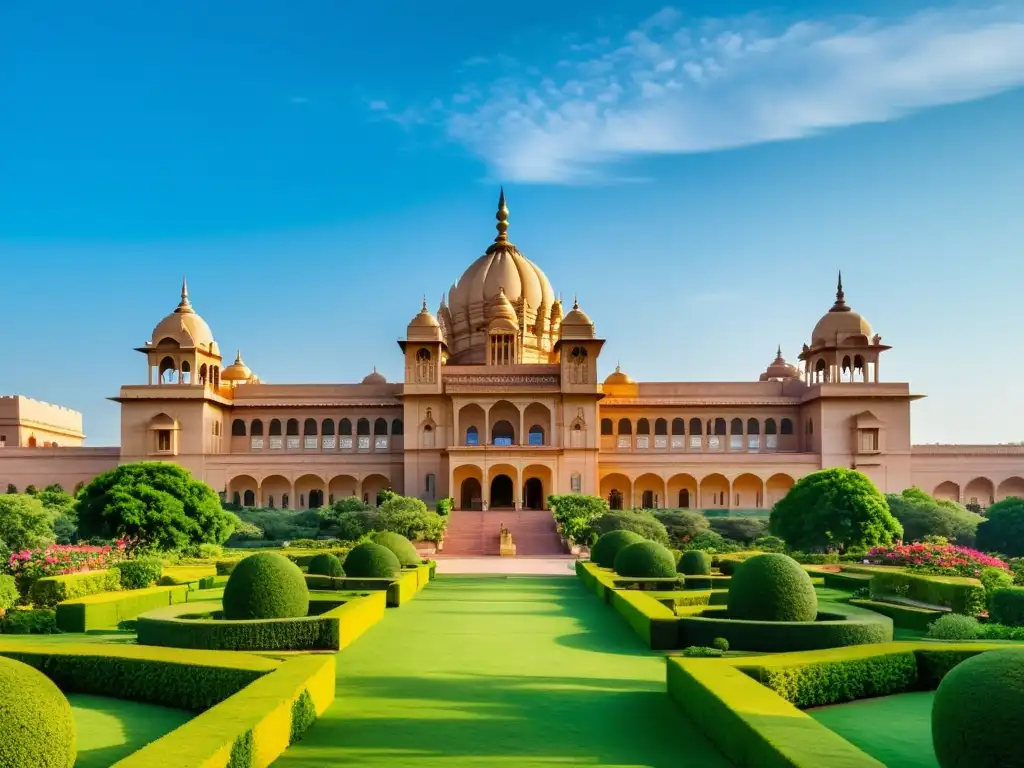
x=41, y=467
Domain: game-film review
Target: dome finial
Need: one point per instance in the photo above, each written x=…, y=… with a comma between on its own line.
x=424, y=307
x=502, y=217
x=575, y=302
x=618, y=368
x=238, y=357
x=840, y=305
x=184, y=307
x=778, y=352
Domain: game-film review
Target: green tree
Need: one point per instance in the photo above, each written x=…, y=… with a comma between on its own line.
x=12, y=488
x=61, y=506
x=641, y=523
x=682, y=526
x=1003, y=528
x=834, y=509
x=577, y=513
x=153, y=504
x=24, y=523
x=922, y=515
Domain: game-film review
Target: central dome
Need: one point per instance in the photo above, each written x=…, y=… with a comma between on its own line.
x=500, y=283
x=502, y=267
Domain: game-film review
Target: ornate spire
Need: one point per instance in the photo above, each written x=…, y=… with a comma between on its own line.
x=502, y=217
x=840, y=305
x=778, y=352
x=424, y=307
x=238, y=357
x=184, y=307
x=575, y=302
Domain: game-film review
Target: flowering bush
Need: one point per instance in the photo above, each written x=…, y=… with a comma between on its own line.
x=947, y=559
x=58, y=560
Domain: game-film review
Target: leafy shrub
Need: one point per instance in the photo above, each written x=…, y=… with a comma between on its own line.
x=1006, y=606
x=225, y=567
x=646, y=560
x=401, y=546
x=154, y=503
x=772, y=587
x=265, y=586
x=815, y=558
x=1003, y=528
x=24, y=523
x=640, y=523
x=577, y=515
x=410, y=517
x=9, y=594
x=681, y=526
x=348, y=523
x=954, y=626
x=701, y=652
x=995, y=578
x=303, y=716
x=939, y=559
x=140, y=572
x=36, y=725
x=206, y=551
x=742, y=530
x=325, y=564
x=770, y=544
x=695, y=563
x=712, y=543
x=678, y=555
x=372, y=561
x=444, y=506
x=818, y=684
x=834, y=508
x=607, y=547
x=721, y=644
x=925, y=518
x=29, y=622
x=976, y=711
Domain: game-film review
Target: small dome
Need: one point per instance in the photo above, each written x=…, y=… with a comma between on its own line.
x=619, y=377
x=780, y=369
x=237, y=371
x=840, y=324
x=576, y=324
x=185, y=327
x=502, y=314
x=424, y=326
x=424, y=319
x=374, y=378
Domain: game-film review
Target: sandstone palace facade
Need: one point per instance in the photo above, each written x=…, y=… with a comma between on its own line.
x=501, y=405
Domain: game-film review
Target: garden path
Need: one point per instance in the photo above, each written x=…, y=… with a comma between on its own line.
x=491, y=671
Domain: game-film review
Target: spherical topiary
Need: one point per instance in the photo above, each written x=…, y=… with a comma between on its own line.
x=36, y=725
x=265, y=586
x=645, y=560
x=372, y=561
x=401, y=546
x=976, y=712
x=325, y=564
x=695, y=562
x=607, y=547
x=720, y=644
x=772, y=587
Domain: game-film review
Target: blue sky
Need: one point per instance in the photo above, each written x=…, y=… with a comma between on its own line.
x=316, y=167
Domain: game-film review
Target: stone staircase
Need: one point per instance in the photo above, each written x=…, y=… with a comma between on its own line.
x=478, y=534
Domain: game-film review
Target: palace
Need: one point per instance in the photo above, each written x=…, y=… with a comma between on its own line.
x=501, y=405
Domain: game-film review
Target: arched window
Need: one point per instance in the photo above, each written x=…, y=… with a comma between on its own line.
x=238, y=428
x=327, y=427
x=643, y=427
x=256, y=429
x=275, y=427
x=397, y=427
x=787, y=427
x=472, y=436
x=661, y=427
x=696, y=427
x=344, y=427
x=607, y=428
x=292, y=428
x=502, y=433
x=753, y=427
x=428, y=436
x=284, y=501
x=186, y=373
x=380, y=427
x=625, y=427
x=719, y=426
x=684, y=499
x=236, y=499
x=309, y=427
x=736, y=427
x=536, y=434
x=615, y=499
x=250, y=499
x=678, y=427
x=769, y=427
x=363, y=427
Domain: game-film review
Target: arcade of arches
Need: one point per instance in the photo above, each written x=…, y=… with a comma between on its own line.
x=711, y=491
x=502, y=486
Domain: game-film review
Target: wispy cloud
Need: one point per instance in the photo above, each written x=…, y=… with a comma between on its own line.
x=673, y=86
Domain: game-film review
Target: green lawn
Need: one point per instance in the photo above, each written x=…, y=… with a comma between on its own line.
x=111, y=729
x=492, y=671
x=895, y=730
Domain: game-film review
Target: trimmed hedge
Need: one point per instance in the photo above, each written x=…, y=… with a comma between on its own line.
x=645, y=559
x=772, y=587
x=141, y=572
x=50, y=590
x=266, y=586
x=846, y=581
x=656, y=624
x=607, y=547
x=401, y=546
x=36, y=725
x=694, y=562
x=108, y=609
x=186, y=574
x=325, y=564
x=252, y=728
x=960, y=594
x=1006, y=606
x=399, y=590
x=188, y=626
x=903, y=616
x=183, y=679
x=373, y=561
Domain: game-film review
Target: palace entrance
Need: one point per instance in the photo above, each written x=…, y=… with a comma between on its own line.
x=533, y=494
x=472, y=494
x=502, y=492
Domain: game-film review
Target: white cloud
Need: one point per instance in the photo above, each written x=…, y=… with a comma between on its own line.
x=378, y=106
x=672, y=87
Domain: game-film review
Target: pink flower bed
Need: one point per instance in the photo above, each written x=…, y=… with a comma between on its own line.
x=937, y=558
x=57, y=560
